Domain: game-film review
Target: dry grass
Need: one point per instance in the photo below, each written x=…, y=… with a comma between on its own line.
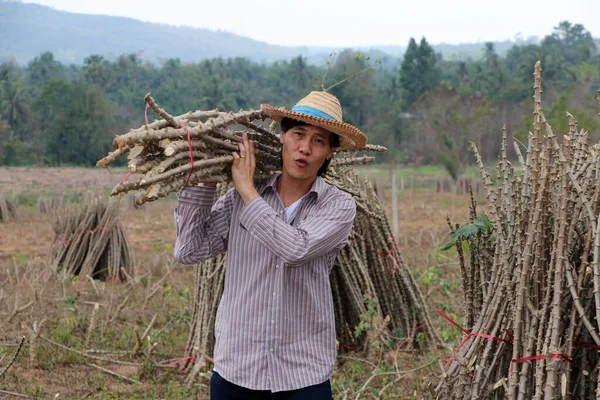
x=57, y=179
x=67, y=305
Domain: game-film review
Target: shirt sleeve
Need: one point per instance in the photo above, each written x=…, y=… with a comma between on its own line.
x=325, y=230
x=202, y=228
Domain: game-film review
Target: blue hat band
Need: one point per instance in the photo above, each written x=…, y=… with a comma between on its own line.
x=313, y=112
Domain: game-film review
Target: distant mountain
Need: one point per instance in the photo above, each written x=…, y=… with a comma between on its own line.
x=27, y=30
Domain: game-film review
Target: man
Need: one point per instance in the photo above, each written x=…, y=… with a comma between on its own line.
x=275, y=327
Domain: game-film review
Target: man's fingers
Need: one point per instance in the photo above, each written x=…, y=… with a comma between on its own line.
x=246, y=142
x=251, y=150
x=235, y=155
x=243, y=145
x=243, y=149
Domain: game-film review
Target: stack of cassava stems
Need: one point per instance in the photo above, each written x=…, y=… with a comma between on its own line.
x=370, y=264
x=89, y=240
x=8, y=211
x=532, y=282
x=208, y=289
x=46, y=205
x=175, y=152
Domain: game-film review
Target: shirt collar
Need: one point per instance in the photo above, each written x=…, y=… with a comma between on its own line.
x=318, y=187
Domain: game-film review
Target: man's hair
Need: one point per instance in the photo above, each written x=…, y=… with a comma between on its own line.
x=334, y=140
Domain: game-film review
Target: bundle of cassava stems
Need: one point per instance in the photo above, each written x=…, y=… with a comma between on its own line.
x=175, y=152
x=531, y=279
x=89, y=240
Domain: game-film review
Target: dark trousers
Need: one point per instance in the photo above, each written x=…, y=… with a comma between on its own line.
x=220, y=389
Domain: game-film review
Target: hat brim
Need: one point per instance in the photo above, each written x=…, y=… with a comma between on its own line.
x=351, y=138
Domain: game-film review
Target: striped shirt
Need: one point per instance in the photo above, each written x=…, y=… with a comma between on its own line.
x=275, y=326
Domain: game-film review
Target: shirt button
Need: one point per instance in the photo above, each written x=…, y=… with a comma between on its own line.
x=274, y=294
x=271, y=349
x=277, y=266
x=272, y=321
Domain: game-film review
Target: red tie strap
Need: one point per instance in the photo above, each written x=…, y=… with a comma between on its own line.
x=391, y=252
x=543, y=357
x=181, y=361
x=469, y=335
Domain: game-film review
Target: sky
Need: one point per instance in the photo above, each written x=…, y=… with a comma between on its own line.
x=354, y=23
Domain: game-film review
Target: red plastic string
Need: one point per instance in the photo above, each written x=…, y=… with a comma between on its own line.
x=182, y=361
x=392, y=252
x=124, y=180
x=80, y=234
x=98, y=228
x=510, y=335
x=447, y=318
x=543, y=357
x=347, y=346
x=441, y=355
x=59, y=242
x=146, y=114
x=586, y=344
x=189, y=139
x=469, y=335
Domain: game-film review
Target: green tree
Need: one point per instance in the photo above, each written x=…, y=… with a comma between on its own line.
x=14, y=99
x=489, y=78
x=573, y=43
x=69, y=114
x=358, y=93
x=131, y=82
x=419, y=71
x=76, y=122
x=96, y=70
x=41, y=69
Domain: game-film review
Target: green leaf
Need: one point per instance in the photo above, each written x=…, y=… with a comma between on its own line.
x=467, y=230
x=447, y=246
x=484, y=222
x=465, y=246
x=70, y=300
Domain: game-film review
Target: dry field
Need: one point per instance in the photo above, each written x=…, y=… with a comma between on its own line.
x=57, y=180
x=82, y=353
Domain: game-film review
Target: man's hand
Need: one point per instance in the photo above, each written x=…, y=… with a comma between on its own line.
x=243, y=168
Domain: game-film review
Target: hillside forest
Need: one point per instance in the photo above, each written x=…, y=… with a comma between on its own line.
x=425, y=109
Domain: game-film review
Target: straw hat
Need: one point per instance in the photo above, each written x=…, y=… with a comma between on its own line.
x=324, y=110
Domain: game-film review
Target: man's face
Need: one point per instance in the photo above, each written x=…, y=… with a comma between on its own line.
x=305, y=148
